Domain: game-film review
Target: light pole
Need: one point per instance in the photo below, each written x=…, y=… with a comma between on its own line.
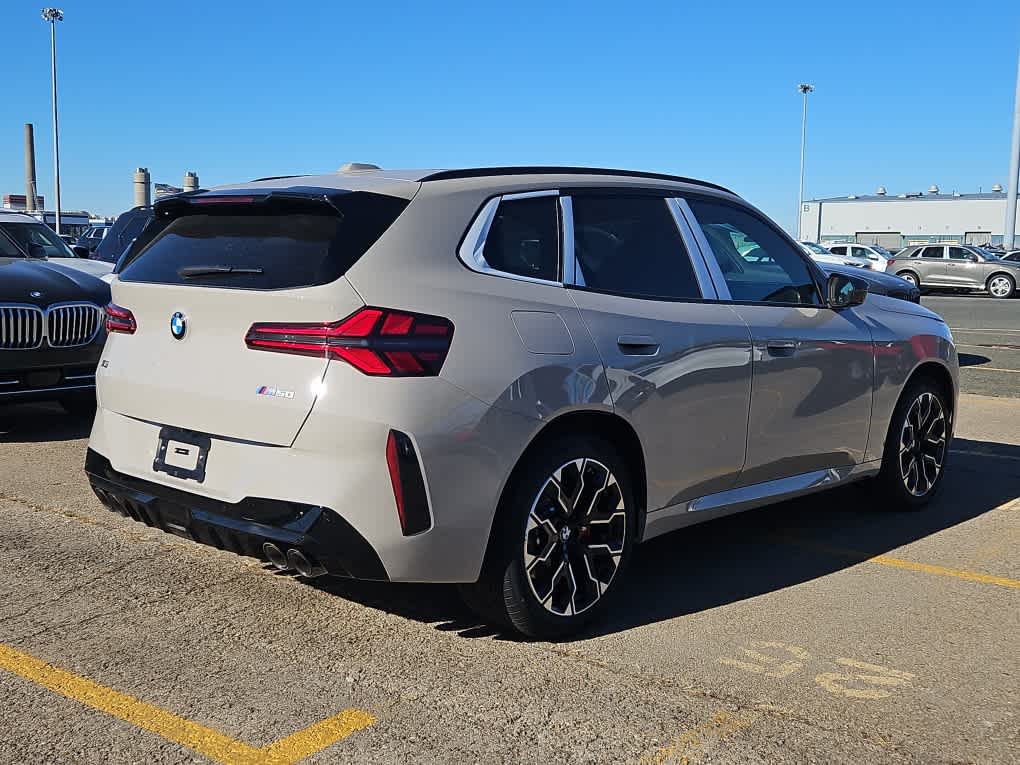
x=53, y=15
x=804, y=88
x=1014, y=170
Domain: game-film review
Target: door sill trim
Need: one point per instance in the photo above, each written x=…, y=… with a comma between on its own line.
x=755, y=495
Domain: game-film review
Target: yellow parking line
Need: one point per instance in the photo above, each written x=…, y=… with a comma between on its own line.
x=317, y=737
x=206, y=741
x=908, y=565
x=927, y=568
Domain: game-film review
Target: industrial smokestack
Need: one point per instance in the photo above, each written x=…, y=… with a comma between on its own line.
x=190, y=181
x=30, y=187
x=143, y=193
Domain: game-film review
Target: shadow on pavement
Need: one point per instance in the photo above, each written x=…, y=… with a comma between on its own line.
x=972, y=359
x=749, y=554
x=41, y=423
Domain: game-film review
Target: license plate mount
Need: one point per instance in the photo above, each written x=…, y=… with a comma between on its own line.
x=182, y=453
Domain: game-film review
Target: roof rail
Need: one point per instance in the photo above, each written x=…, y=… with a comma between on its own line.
x=482, y=172
x=273, y=178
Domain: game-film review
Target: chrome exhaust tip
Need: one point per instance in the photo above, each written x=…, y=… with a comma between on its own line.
x=276, y=557
x=303, y=565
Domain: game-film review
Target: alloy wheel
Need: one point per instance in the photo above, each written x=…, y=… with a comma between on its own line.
x=922, y=444
x=909, y=278
x=1000, y=286
x=575, y=537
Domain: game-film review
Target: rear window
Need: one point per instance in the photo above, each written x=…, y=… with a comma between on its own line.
x=264, y=246
x=120, y=235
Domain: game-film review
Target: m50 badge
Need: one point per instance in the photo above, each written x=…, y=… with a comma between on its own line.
x=269, y=390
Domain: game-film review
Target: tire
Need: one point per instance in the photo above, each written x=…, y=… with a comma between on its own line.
x=1001, y=286
x=80, y=404
x=540, y=580
x=911, y=277
x=901, y=480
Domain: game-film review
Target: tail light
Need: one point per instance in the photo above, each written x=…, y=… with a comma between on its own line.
x=890, y=262
x=120, y=319
x=408, y=484
x=375, y=341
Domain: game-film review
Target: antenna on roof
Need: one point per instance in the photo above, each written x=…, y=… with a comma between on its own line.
x=357, y=167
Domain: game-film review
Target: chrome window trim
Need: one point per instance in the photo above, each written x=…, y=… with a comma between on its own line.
x=530, y=194
x=472, y=250
x=570, y=274
x=709, y=288
x=722, y=289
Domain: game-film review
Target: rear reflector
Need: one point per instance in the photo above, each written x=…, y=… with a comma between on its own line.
x=375, y=341
x=120, y=319
x=408, y=484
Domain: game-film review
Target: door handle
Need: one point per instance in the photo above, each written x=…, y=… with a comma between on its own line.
x=638, y=345
x=781, y=347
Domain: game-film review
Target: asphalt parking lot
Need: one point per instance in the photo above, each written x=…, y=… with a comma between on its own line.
x=826, y=629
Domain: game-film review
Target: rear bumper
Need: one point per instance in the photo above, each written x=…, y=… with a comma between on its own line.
x=241, y=527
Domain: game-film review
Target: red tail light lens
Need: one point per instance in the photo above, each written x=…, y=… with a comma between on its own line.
x=375, y=341
x=120, y=319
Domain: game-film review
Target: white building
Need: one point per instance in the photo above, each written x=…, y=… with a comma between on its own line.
x=897, y=221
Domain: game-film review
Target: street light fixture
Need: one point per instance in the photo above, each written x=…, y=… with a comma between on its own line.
x=804, y=88
x=53, y=15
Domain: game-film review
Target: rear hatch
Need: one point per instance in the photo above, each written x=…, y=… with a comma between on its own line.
x=202, y=273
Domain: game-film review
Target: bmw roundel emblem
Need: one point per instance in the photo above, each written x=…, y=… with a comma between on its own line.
x=178, y=325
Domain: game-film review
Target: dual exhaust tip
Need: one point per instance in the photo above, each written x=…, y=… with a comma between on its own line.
x=293, y=559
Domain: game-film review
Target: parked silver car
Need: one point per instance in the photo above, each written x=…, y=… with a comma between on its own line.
x=877, y=255
x=505, y=378
x=955, y=266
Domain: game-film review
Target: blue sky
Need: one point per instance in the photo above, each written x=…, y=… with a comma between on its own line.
x=908, y=93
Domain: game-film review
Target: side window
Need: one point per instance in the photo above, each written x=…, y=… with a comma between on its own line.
x=932, y=252
x=860, y=252
x=631, y=245
x=838, y=249
x=757, y=263
x=524, y=238
x=959, y=253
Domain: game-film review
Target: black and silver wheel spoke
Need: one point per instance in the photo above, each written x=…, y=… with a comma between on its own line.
x=575, y=537
x=922, y=444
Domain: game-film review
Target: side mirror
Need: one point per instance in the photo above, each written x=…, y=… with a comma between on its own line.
x=844, y=291
x=80, y=250
x=972, y=258
x=36, y=251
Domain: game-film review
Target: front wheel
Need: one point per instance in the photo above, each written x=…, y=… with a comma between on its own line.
x=1001, y=286
x=909, y=276
x=917, y=446
x=564, y=536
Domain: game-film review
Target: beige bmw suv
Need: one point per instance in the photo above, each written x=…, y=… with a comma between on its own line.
x=504, y=378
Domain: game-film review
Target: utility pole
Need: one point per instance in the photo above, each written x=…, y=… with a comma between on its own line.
x=53, y=15
x=1009, y=232
x=804, y=89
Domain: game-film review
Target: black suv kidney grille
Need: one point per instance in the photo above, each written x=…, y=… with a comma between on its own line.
x=21, y=327
x=70, y=325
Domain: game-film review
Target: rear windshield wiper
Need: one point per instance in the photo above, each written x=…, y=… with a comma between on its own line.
x=192, y=272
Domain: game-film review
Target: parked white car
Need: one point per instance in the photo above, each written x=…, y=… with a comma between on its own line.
x=820, y=254
x=879, y=256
